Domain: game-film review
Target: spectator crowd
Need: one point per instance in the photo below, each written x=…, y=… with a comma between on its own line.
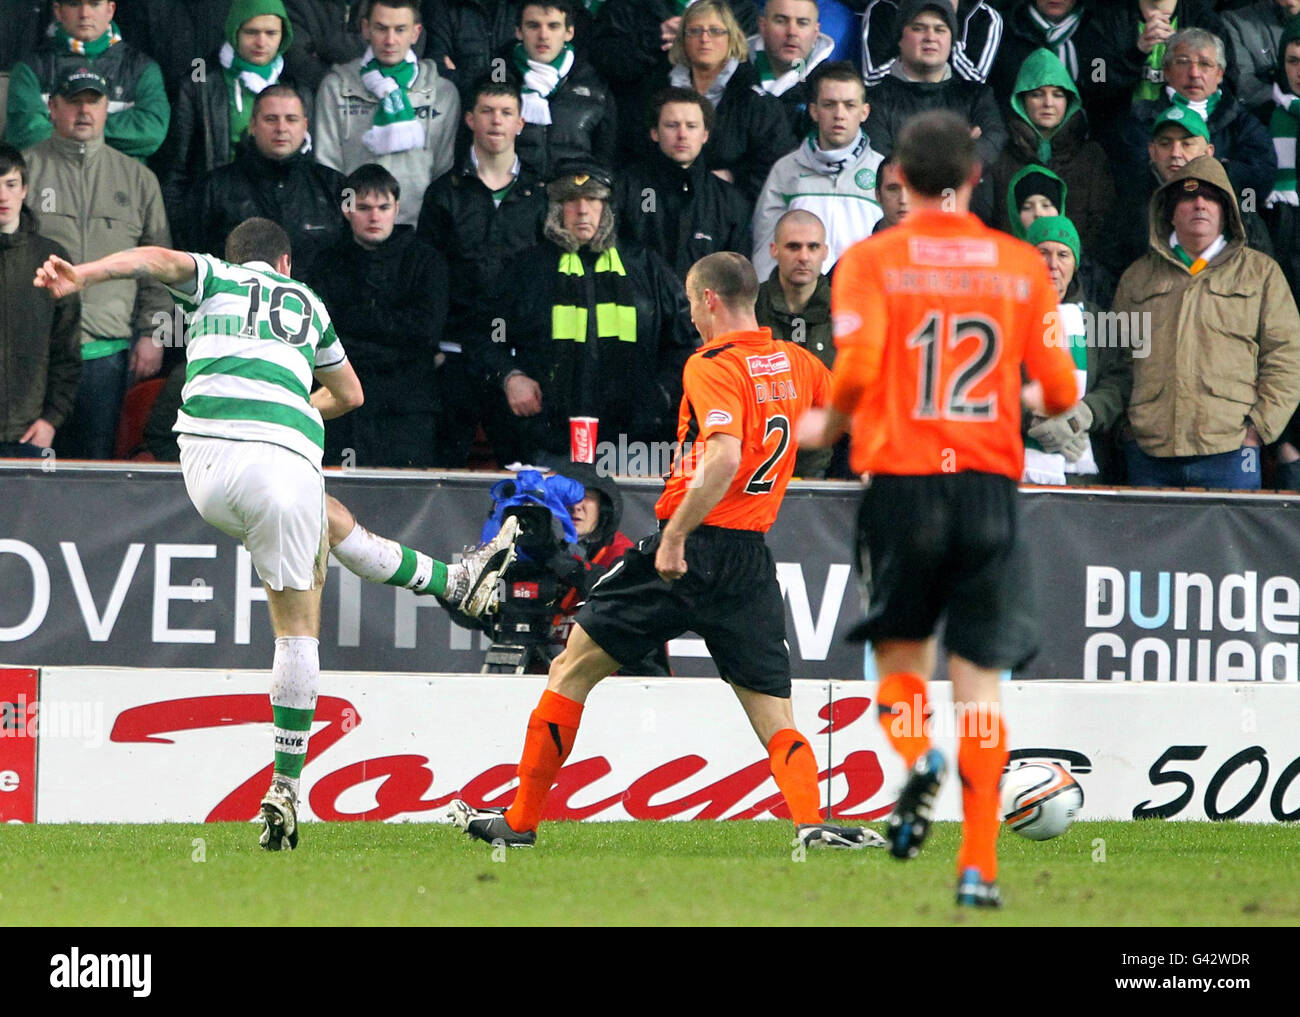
x=498, y=202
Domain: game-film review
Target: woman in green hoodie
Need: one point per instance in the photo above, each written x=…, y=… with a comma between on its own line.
x=215, y=103
x=1048, y=127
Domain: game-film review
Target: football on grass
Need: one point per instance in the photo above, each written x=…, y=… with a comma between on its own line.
x=1040, y=800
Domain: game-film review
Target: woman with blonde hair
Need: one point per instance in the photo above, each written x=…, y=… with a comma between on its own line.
x=710, y=56
x=629, y=44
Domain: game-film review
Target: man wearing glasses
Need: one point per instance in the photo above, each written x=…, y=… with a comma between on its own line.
x=1194, y=65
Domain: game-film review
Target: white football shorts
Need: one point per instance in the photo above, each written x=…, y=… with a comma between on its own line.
x=266, y=496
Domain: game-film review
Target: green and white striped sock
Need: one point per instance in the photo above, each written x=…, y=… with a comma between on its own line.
x=380, y=560
x=295, y=676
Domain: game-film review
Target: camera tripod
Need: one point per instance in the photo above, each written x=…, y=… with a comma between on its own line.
x=513, y=658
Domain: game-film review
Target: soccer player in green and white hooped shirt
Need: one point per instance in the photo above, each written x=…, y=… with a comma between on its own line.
x=251, y=438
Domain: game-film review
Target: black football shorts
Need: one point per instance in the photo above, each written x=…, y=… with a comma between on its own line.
x=947, y=545
x=729, y=596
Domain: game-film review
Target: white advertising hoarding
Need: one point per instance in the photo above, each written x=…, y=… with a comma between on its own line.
x=125, y=745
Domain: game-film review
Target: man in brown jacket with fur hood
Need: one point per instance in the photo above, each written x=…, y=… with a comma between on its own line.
x=1214, y=341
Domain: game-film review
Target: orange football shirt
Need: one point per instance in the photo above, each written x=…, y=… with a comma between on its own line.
x=755, y=388
x=933, y=320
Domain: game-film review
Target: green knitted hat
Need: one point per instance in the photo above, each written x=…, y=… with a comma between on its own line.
x=1057, y=228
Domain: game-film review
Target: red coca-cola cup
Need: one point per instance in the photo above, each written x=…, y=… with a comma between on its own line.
x=582, y=439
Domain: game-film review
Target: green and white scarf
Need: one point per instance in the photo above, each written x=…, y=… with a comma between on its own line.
x=615, y=301
x=395, y=127
x=767, y=76
x=1153, y=71
x=1205, y=107
x=1283, y=127
x=1051, y=467
x=1195, y=266
x=1058, y=36
x=95, y=47
x=242, y=75
x=541, y=79
x=768, y=80
x=831, y=161
x=778, y=84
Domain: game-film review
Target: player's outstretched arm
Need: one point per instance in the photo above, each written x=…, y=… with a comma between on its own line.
x=716, y=469
x=167, y=266
x=340, y=390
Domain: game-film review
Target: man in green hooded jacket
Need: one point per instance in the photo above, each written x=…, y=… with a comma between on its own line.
x=215, y=103
x=1048, y=127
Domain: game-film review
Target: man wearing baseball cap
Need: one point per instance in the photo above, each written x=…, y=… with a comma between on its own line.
x=1216, y=362
x=84, y=35
x=107, y=202
x=588, y=327
x=1178, y=136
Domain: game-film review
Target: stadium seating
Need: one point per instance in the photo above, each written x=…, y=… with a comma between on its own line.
x=139, y=401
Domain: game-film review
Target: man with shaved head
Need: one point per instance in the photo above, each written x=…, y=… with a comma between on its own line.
x=795, y=303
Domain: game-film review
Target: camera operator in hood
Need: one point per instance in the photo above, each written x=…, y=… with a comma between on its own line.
x=558, y=568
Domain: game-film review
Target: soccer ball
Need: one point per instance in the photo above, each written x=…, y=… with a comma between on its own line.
x=1040, y=800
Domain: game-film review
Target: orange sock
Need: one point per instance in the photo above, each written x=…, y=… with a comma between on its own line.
x=795, y=768
x=981, y=755
x=552, y=728
x=903, y=708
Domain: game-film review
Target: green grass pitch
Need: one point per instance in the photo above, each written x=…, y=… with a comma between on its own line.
x=668, y=873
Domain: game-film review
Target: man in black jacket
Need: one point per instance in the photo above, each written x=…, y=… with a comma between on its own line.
x=483, y=212
x=164, y=30
x=273, y=176
x=922, y=79
x=568, y=111
x=386, y=291
x=40, y=353
x=670, y=202
x=975, y=48
x=789, y=46
x=464, y=35
x=325, y=33
x=589, y=328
